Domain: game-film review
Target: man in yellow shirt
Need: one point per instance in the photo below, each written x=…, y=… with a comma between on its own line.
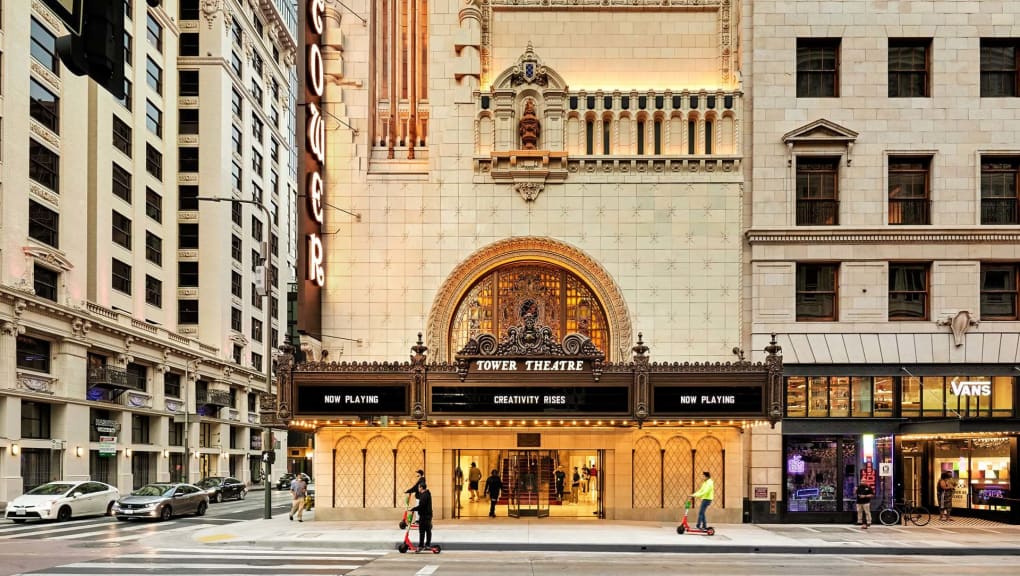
x=707, y=494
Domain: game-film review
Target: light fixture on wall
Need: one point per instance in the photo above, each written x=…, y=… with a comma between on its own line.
x=127, y=452
x=15, y=449
x=78, y=451
x=166, y=453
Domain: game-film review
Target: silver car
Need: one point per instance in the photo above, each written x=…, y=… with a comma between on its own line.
x=162, y=501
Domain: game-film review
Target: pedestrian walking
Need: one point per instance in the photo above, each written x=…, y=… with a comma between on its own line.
x=493, y=487
x=298, y=491
x=864, y=494
x=474, y=476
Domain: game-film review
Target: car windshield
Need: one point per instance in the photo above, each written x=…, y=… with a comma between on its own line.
x=51, y=489
x=153, y=490
x=209, y=482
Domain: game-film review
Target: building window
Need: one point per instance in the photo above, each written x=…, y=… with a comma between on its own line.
x=817, y=191
x=187, y=82
x=235, y=64
x=153, y=248
x=154, y=75
x=909, y=190
x=256, y=360
x=236, y=175
x=44, y=106
x=908, y=291
x=818, y=67
x=121, y=225
x=172, y=386
x=126, y=100
x=187, y=159
x=256, y=91
x=187, y=311
x=33, y=354
x=121, y=136
x=909, y=61
x=44, y=47
x=257, y=63
x=153, y=118
x=274, y=150
x=235, y=284
x=187, y=197
x=1000, y=180
x=235, y=320
x=154, y=33
x=236, y=102
x=35, y=420
x=187, y=121
x=256, y=330
x=188, y=44
x=43, y=224
x=238, y=351
x=129, y=43
x=121, y=276
x=256, y=228
x=256, y=299
x=256, y=193
x=188, y=9
x=153, y=291
x=45, y=282
x=999, y=291
x=235, y=249
x=153, y=205
x=255, y=259
x=43, y=165
x=153, y=161
x=817, y=292
x=589, y=137
x=235, y=32
x=187, y=235
x=657, y=136
x=121, y=185
x=236, y=140
x=187, y=274
x=257, y=129
x=999, y=67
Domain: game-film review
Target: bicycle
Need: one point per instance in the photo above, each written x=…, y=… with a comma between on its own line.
x=917, y=515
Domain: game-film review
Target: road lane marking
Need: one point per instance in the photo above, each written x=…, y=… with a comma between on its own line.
x=430, y=569
x=206, y=566
x=301, y=551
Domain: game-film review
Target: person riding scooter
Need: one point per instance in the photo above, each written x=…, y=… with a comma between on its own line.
x=707, y=494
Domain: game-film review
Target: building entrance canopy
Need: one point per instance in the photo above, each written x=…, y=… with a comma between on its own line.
x=527, y=374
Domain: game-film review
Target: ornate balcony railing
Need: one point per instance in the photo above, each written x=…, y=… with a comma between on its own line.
x=817, y=212
x=999, y=211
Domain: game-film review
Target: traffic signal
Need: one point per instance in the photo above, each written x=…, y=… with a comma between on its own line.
x=99, y=51
x=269, y=456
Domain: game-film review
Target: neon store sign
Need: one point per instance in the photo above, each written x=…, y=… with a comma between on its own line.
x=315, y=141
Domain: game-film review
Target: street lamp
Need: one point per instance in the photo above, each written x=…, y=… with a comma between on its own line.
x=267, y=257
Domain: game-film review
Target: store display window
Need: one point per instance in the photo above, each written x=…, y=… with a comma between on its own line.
x=884, y=396
x=980, y=467
x=821, y=473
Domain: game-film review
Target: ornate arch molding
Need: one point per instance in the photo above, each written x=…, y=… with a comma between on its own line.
x=460, y=280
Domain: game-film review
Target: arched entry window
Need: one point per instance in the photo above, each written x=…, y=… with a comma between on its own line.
x=564, y=302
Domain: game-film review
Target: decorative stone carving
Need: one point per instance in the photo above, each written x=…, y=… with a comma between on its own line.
x=174, y=405
x=137, y=400
x=12, y=328
x=529, y=69
x=44, y=73
x=48, y=256
x=41, y=192
x=529, y=190
x=44, y=134
x=209, y=10
x=36, y=383
x=959, y=324
x=529, y=128
x=80, y=328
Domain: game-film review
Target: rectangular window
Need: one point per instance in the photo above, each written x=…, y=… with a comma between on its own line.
x=909, y=190
x=657, y=137
x=187, y=82
x=236, y=174
x=817, y=191
x=33, y=354
x=236, y=284
x=121, y=182
x=43, y=165
x=187, y=121
x=235, y=32
x=237, y=354
x=909, y=62
x=236, y=212
x=35, y=420
x=692, y=137
x=153, y=118
x=256, y=329
x=998, y=291
x=153, y=248
x=187, y=311
x=257, y=129
x=187, y=159
x=256, y=300
x=589, y=135
x=121, y=229
x=256, y=193
x=126, y=100
x=129, y=43
x=154, y=33
x=153, y=291
x=236, y=102
x=606, y=128
x=187, y=235
x=153, y=161
x=188, y=9
x=1000, y=180
x=154, y=75
x=45, y=282
x=256, y=228
x=187, y=274
x=235, y=320
x=257, y=64
x=256, y=360
x=255, y=259
x=818, y=67
x=235, y=249
x=121, y=136
x=256, y=91
x=235, y=64
x=908, y=291
x=236, y=140
x=153, y=205
x=43, y=224
x=188, y=44
x=121, y=276
x=274, y=150
x=187, y=197
x=817, y=292
x=708, y=136
x=999, y=67
x=44, y=106
x=172, y=387
x=44, y=47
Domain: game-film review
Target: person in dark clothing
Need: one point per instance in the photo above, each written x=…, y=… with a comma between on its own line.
x=561, y=478
x=424, y=510
x=493, y=487
x=419, y=482
x=864, y=494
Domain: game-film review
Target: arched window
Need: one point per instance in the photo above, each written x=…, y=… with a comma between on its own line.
x=564, y=302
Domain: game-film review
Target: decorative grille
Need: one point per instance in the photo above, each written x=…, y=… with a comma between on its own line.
x=410, y=459
x=647, y=476
x=710, y=457
x=379, y=473
x=678, y=472
x=347, y=483
x=564, y=302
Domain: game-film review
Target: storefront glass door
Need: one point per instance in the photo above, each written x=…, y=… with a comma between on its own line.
x=530, y=483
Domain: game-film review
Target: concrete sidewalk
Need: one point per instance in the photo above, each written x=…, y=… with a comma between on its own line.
x=962, y=538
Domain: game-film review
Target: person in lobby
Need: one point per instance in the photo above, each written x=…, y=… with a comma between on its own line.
x=561, y=478
x=474, y=477
x=864, y=493
x=947, y=489
x=707, y=493
x=493, y=488
x=575, y=486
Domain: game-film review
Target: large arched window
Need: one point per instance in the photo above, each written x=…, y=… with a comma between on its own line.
x=565, y=304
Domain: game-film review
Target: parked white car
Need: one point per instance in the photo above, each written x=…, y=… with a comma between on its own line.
x=63, y=500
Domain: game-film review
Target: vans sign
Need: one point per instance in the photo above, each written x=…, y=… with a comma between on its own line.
x=971, y=388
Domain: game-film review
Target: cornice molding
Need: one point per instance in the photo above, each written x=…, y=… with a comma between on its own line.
x=970, y=236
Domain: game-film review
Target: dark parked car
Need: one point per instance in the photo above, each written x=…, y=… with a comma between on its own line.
x=284, y=483
x=220, y=488
x=162, y=501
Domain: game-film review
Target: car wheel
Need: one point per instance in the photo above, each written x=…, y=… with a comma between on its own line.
x=109, y=509
x=215, y=498
x=201, y=509
x=64, y=514
x=166, y=513
x=242, y=494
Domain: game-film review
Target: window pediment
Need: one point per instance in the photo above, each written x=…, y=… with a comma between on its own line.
x=820, y=134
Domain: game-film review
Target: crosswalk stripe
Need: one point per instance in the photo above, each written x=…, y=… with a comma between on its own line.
x=64, y=528
x=338, y=558
x=274, y=551
x=159, y=532
x=111, y=528
x=192, y=566
x=29, y=526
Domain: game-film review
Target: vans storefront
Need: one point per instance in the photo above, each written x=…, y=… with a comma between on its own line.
x=900, y=428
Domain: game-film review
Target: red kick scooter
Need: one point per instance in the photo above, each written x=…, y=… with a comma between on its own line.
x=685, y=527
x=407, y=545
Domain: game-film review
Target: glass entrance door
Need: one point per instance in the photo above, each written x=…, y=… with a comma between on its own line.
x=529, y=475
